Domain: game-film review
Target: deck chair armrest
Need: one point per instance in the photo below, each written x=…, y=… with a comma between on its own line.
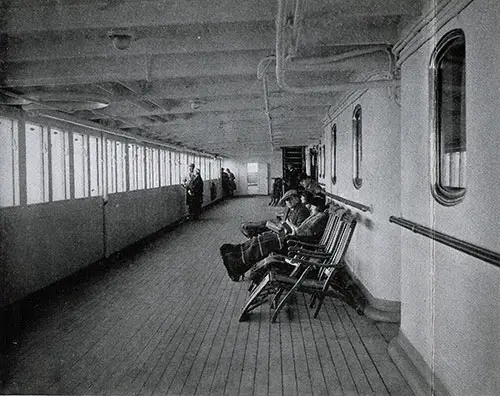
x=310, y=254
x=329, y=265
x=297, y=239
x=301, y=243
x=300, y=261
x=301, y=248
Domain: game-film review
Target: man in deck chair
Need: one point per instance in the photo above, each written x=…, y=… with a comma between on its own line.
x=296, y=212
x=238, y=259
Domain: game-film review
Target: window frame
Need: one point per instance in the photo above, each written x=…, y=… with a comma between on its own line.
x=444, y=195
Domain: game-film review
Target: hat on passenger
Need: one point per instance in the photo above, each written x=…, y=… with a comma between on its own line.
x=289, y=194
x=318, y=200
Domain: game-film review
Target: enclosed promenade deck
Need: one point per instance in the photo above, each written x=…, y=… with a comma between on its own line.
x=162, y=319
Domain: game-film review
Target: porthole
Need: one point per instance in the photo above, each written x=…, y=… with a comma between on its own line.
x=447, y=77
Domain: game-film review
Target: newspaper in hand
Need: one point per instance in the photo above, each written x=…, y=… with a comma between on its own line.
x=274, y=226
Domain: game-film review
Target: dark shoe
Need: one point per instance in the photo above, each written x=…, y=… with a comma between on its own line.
x=226, y=261
x=226, y=248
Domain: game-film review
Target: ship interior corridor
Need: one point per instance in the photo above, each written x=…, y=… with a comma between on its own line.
x=162, y=318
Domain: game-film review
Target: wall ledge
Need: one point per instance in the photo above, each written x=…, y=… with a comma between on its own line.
x=379, y=309
x=414, y=369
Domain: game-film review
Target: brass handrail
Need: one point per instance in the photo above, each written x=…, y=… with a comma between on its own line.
x=354, y=204
x=465, y=247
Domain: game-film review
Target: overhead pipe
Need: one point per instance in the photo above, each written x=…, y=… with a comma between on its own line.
x=281, y=60
x=296, y=27
x=268, y=114
x=340, y=57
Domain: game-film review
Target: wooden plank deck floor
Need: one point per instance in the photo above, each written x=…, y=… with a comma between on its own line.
x=163, y=320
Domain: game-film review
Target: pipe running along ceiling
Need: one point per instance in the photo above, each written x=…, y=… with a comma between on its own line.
x=185, y=71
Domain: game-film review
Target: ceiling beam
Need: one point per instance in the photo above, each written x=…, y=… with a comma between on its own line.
x=143, y=67
x=222, y=104
x=178, y=39
x=57, y=15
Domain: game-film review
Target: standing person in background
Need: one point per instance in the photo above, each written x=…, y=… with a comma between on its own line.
x=187, y=180
x=191, y=184
x=225, y=183
x=291, y=176
x=196, y=190
x=232, y=182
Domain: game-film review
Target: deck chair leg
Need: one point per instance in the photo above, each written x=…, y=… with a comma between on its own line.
x=320, y=303
x=276, y=298
x=258, y=297
x=313, y=300
x=289, y=294
x=281, y=304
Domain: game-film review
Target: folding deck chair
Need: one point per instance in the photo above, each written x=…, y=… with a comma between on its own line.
x=327, y=283
x=295, y=245
x=300, y=258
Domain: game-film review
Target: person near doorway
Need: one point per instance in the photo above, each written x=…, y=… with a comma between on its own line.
x=291, y=177
x=232, y=182
x=225, y=183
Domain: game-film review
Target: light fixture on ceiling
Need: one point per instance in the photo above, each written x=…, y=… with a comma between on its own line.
x=121, y=39
x=68, y=102
x=195, y=103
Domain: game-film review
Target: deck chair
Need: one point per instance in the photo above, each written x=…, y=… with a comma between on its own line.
x=325, y=284
x=295, y=245
x=297, y=248
x=298, y=259
x=335, y=213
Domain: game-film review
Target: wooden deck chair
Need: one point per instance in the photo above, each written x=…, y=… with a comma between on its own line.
x=296, y=246
x=324, y=285
x=326, y=245
x=298, y=259
x=334, y=215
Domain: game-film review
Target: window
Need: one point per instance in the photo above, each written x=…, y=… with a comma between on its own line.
x=152, y=167
x=176, y=177
x=111, y=166
x=356, y=147
x=37, y=164
x=448, y=119
x=140, y=167
x=324, y=161
x=95, y=163
x=59, y=144
x=334, y=154
x=132, y=167
x=320, y=161
x=81, y=164
x=163, y=167
x=9, y=163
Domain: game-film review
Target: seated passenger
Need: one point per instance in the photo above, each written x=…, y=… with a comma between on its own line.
x=238, y=259
x=295, y=213
x=308, y=184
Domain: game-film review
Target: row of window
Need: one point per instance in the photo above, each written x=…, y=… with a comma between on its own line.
x=62, y=164
x=447, y=78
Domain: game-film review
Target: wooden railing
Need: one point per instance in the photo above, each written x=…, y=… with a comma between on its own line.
x=346, y=201
x=466, y=247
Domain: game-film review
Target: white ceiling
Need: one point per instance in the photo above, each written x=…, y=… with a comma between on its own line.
x=189, y=75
